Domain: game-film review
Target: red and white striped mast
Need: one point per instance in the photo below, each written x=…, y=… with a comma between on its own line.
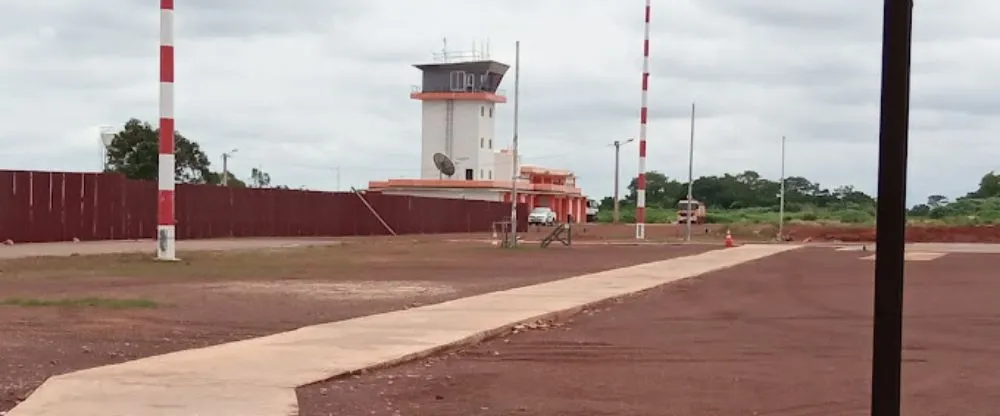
x=165, y=229
x=640, y=191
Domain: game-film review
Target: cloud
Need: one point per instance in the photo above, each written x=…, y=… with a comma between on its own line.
x=305, y=87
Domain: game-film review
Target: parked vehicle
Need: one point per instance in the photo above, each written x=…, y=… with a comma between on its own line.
x=542, y=216
x=593, y=207
x=697, y=212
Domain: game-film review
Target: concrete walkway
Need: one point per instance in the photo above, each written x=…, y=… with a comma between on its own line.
x=259, y=376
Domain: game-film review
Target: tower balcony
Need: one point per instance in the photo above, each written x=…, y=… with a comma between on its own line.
x=418, y=93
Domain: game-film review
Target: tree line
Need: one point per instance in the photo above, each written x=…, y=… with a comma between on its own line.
x=134, y=152
x=750, y=190
x=743, y=190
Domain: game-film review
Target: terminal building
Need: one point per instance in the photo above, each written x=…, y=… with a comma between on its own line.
x=459, y=97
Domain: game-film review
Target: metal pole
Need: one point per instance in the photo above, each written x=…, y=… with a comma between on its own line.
x=515, y=175
x=781, y=195
x=690, y=195
x=225, y=169
x=338, y=177
x=166, y=221
x=640, y=186
x=616, y=213
x=890, y=227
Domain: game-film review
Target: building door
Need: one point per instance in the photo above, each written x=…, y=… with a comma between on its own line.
x=469, y=174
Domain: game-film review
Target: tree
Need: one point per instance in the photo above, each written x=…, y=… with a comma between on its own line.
x=937, y=201
x=749, y=189
x=215, y=178
x=259, y=178
x=134, y=152
x=661, y=191
x=989, y=187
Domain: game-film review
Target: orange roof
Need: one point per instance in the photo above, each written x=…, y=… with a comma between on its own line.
x=538, y=170
x=471, y=184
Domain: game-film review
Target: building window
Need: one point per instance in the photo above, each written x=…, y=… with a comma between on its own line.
x=491, y=174
x=491, y=112
x=491, y=143
x=481, y=142
x=469, y=174
x=482, y=111
x=481, y=174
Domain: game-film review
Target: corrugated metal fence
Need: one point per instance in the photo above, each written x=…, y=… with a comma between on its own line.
x=59, y=206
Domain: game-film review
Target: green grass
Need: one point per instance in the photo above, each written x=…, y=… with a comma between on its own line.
x=752, y=216
x=959, y=213
x=87, y=302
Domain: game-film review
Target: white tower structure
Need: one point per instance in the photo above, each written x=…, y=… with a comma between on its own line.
x=459, y=95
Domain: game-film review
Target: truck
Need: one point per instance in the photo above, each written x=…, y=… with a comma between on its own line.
x=592, y=209
x=697, y=212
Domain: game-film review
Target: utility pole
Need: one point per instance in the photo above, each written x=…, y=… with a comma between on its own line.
x=225, y=166
x=781, y=195
x=516, y=174
x=337, y=168
x=690, y=194
x=616, y=214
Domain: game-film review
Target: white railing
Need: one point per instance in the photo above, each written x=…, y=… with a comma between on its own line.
x=418, y=89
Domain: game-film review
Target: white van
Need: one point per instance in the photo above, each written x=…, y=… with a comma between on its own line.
x=592, y=209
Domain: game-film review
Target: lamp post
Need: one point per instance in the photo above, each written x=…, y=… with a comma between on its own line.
x=781, y=195
x=107, y=138
x=617, y=210
x=225, y=165
x=690, y=190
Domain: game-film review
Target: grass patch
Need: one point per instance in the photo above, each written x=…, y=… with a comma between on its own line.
x=88, y=302
x=289, y=262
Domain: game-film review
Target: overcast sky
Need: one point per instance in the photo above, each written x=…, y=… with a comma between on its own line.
x=301, y=87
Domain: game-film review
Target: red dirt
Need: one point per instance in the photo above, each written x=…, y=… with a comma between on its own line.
x=40, y=342
x=796, y=232
x=914, y=234
x=788, y=335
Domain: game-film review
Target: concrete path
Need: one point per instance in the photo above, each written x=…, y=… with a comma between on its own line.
x=139, y=246
x=258, y=377
x=971, y=248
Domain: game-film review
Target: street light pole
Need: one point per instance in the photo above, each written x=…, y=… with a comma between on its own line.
x=781, y=195
x=225, y=166
x=617, y=210
x=690, y=194
x=337, y=168
x=107, y=139
x=515, y=174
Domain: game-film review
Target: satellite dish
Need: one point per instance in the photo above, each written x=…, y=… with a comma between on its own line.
x=444, y=164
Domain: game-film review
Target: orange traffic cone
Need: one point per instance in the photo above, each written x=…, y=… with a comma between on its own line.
x=729, y=240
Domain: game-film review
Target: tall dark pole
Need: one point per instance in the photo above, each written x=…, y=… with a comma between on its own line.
x=890, y=238
x=616, y=212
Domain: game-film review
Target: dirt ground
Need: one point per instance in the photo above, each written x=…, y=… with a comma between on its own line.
x=788, y=335
x=797, y=232
x=59, y=314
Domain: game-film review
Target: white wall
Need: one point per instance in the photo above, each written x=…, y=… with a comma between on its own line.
x=472, y=194
x=503, y=166
x=432, y=133
x=472, y=129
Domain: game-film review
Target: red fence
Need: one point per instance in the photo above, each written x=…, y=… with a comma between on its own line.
x=60, y=206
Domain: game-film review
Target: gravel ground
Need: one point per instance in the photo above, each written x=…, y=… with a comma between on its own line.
x=66, y=313
x=788, y=335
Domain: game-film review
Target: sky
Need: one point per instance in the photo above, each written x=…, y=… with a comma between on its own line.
x=315, y=90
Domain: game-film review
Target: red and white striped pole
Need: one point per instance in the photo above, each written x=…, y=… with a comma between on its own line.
x=640, y=192
x=165, y=247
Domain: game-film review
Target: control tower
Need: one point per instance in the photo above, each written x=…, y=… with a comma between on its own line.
x=459, y=96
